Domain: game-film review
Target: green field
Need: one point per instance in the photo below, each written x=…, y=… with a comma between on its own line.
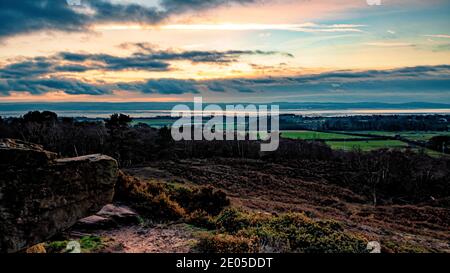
x=367, y=145
x=312, y=135
x=411, y=135
x=337, y=140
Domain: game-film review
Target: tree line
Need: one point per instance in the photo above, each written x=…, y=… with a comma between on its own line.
x=382, y=175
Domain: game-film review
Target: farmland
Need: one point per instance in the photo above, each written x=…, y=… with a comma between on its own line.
x=410, y=135
x=314, y=135
x=367, y=140
x=367, y=145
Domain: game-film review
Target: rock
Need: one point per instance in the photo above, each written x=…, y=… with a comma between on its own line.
x=41, y=196
x=109, y=216
x=95, y=222
x=23, y=153
x=120, y=214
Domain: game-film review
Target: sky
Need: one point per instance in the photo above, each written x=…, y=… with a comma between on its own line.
x=225, y=50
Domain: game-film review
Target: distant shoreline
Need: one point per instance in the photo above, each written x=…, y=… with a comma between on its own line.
x=139, y=114
x=157, y=109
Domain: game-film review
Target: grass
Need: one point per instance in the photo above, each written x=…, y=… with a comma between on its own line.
x=337, y=140
x=88, y=244
x=423, y=136
x=432, y=153
x=367, y=145
x=411, y=135
x=313, y=135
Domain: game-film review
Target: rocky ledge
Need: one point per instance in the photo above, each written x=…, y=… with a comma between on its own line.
x=41, y=195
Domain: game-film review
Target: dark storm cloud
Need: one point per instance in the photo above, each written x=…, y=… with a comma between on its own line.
x=24, y=16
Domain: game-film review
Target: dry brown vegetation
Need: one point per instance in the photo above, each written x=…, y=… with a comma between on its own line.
x=401, y=199
x=275, y=188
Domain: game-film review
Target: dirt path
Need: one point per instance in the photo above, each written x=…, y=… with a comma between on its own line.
x=138, y=239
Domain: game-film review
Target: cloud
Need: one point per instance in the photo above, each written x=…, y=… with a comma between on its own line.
x=390, y=44
x=409, y=81
x=24, y=16
x=28, y=68
x=198, y=56
x=425, y=80
x=163, y=86
x=418, y=79
x=443, y=36
x=105, y=11
x=41, y=86
x=59, y=72
x=43, y=74
x=305, y=27
x=176, y=6
x=31, y=15
x=146, y=59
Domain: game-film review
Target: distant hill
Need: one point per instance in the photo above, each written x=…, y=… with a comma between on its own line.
x=133, y=106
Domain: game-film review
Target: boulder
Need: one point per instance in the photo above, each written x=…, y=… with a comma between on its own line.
x=94, y=222
x=121, y=214
x=41, y=195
x=110, y=216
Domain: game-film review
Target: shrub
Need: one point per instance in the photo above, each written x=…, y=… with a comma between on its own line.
x=163, y=201
x=202, y=219
x=224, y=243
x=159, y=207
x=395, y=247
x=295, y=232
x=232, y=220
x=207, y=199
x=292, y=232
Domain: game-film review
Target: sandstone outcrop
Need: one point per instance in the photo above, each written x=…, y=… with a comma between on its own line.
x=110, y=216
x=41, y=195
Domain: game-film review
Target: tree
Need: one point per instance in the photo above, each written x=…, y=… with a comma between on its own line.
x=118, y=121
x=40, y=117
x=439, y=143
